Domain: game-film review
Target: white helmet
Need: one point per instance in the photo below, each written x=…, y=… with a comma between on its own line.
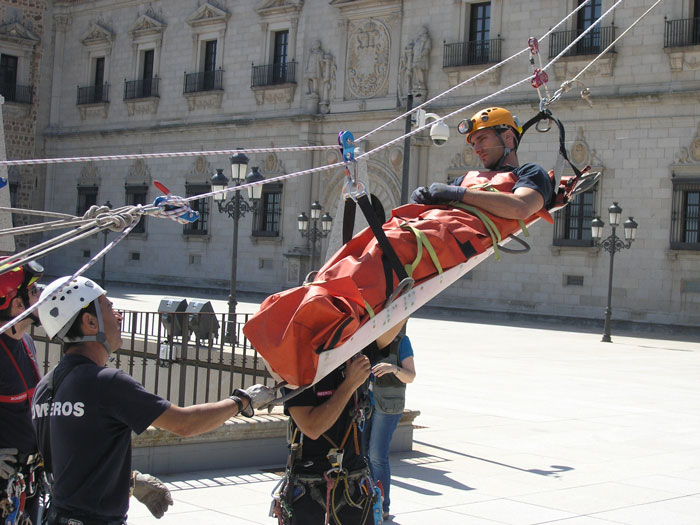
x=61, y=302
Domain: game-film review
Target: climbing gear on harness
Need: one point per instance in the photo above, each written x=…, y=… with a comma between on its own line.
x=21, y=397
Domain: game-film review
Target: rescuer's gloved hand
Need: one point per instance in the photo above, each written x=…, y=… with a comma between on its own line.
x=257, y=396
x=441, y=192
x=151, y=491
x=421, y=196
x=7, y=456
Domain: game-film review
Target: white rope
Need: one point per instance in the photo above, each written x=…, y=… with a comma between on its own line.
x=471, y=79
x=568, y=84
x=80, y=271
x=134, y=156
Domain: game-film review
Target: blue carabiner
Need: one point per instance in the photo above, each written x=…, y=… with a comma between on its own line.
x=347, y=141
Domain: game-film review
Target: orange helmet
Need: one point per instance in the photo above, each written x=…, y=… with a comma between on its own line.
x=498, y=118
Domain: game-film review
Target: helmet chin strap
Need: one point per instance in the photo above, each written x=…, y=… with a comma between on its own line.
x=506, y=151
x=99, y=337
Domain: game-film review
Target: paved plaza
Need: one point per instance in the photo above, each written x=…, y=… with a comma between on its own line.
x=521, y=423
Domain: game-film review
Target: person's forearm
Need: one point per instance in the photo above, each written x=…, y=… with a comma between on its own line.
x=404, y=374
x=322, y=417
x=197, y=419
x=506, y=205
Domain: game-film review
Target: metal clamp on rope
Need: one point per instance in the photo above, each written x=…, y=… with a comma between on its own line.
x=347, y=142
x=534, y=45
x=539, y=78
x=353, y=188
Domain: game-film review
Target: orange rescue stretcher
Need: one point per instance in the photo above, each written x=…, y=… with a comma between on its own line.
x=363, y=290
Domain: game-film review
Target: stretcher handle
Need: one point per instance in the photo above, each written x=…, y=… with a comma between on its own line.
x=525, y=246
x=405, y=285
x=585, y=183
x=286, y=397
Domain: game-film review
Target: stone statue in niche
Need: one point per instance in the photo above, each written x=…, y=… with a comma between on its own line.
x=405, y=71
x=328, y=81
x=313, y=71
x=421, y=60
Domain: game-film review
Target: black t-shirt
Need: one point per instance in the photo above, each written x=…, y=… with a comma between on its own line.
x=529, y=176
x=94, y=411
x=16, y=388
x=314, y=451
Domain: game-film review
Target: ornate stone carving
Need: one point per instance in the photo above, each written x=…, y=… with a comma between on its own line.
x=276, y=94
x=581, y=153
x=327, y=82
x=683, y=59
x=98, y=36
x=314, y=69
x=567, y=67
x=367, y=63
x=279, y=7
x=61, y=22
x=272, y=163
x=147, y=106
x=204, y=100
x=147, y=25
x=691, y=154
x=17, y=33
x=93, y=110
x=207, y=15
x=464, y=160
x=201, y=167
x=89, y=175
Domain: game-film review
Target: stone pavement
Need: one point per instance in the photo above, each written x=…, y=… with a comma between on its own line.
x=521, y=423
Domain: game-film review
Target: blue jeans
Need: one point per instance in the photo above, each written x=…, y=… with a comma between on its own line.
x=376, y=438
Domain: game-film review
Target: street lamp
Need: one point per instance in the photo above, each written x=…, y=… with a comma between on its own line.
x=236, y=208
x=612, y=244
x=314, y=234
x=104, y=245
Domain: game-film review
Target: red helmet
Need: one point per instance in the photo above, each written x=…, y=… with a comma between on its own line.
x=17, y=280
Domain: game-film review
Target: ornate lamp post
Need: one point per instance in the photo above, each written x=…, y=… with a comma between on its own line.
x=612, y=244
x=314, y=234
x=236, y=207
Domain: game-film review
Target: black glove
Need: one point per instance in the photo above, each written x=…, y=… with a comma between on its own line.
x=421, y=196
x=441, y=192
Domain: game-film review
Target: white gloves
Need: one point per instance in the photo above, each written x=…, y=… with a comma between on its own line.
x=151, y=491
x=258, y=396
x=7, y=456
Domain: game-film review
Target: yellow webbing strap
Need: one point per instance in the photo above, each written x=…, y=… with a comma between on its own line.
x=490, y=226
x=422, y=241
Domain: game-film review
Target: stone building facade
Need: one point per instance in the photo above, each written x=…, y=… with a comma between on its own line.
x=22, y=30
x=204, y=75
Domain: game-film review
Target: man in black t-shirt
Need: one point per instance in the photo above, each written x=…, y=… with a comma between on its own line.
x=495, y=135
x=327, y=479
x=19, y=374
x=84, y=413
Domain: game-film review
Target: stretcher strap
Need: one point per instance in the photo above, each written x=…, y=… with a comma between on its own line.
x=376, y=227
x=490, y=226
x=348, y=219
x=422, y=241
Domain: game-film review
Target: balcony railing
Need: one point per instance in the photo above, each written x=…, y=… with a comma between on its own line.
x=93, y=94
x=144, y=88
x=685, y=32
x=204, y=81
x=16, y=93
x=472, y=53
x=271, y=74
x=592, y=43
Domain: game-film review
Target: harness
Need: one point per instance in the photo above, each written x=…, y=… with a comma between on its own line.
x=25, y=483
x=337, y=480
x=20, y=397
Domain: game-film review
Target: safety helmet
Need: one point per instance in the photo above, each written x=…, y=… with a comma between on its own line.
x=17, y=281
x=498, y=118
x=62, y=301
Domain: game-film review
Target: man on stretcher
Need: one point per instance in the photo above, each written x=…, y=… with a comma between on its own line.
x=494, y=134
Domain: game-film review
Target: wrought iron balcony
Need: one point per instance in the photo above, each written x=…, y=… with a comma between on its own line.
x=144, y=88
x=685, y=32
x=16, y=93
x=472, y=53
x=93, y=94
x=204, y=81
x=592, y=43
x=272, y=74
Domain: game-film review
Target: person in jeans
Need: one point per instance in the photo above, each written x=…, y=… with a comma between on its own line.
x=388, y=389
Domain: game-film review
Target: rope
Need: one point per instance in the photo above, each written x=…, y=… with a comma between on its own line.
x=467, y=81
x=568, y=84
x=134, y=156
x=78, y=272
